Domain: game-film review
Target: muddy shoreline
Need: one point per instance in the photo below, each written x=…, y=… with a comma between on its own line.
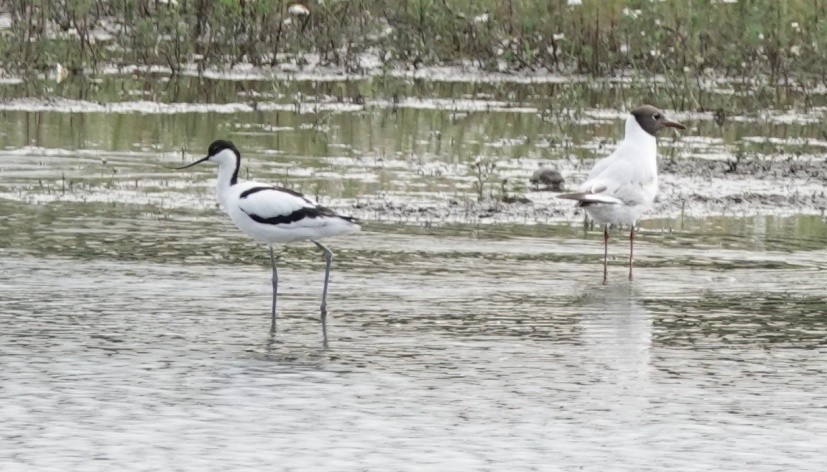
x=688, y=188
x=691, y=187
x=457, y=149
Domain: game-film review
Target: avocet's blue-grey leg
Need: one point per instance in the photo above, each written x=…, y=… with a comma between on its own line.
x=275, y=292
x=328, y=256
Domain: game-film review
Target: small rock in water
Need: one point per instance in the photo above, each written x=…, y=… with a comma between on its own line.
x=549, y=179
x=720, y=116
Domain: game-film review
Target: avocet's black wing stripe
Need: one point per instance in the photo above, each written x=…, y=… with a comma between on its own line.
x=283, y=207
x=302, y=214
x=272, y=202
x=255, y=190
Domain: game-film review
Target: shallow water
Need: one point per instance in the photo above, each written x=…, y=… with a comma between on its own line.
x=468, y=347
x=134, y=316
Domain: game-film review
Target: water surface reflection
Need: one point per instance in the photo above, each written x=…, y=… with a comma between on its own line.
x=496, y=352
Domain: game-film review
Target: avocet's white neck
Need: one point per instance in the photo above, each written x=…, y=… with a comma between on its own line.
x=228, y=167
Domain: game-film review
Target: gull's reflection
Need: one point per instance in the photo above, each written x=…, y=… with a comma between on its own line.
x=617, y=331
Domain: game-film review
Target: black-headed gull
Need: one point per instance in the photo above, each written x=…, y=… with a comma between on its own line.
x=621, y=187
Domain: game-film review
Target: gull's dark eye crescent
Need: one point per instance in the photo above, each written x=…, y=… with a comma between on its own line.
x=656, y=116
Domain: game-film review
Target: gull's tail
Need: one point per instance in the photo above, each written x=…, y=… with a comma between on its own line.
x=587, y=198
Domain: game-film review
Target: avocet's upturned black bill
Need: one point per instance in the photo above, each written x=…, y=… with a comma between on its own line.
x=216, y=147
x=621, y=187
x=274, y=215
x=194, y=163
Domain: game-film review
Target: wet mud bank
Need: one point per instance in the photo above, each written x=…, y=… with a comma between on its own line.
x=426, y=150
x=688, y=188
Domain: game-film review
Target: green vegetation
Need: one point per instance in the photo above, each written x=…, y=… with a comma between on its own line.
x=767, y=41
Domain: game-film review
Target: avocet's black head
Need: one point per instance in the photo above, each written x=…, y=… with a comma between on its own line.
x=653, y=120
x=216, y=153
x=219, y=145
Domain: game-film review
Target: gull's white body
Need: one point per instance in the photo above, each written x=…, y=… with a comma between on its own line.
x=621, y=187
